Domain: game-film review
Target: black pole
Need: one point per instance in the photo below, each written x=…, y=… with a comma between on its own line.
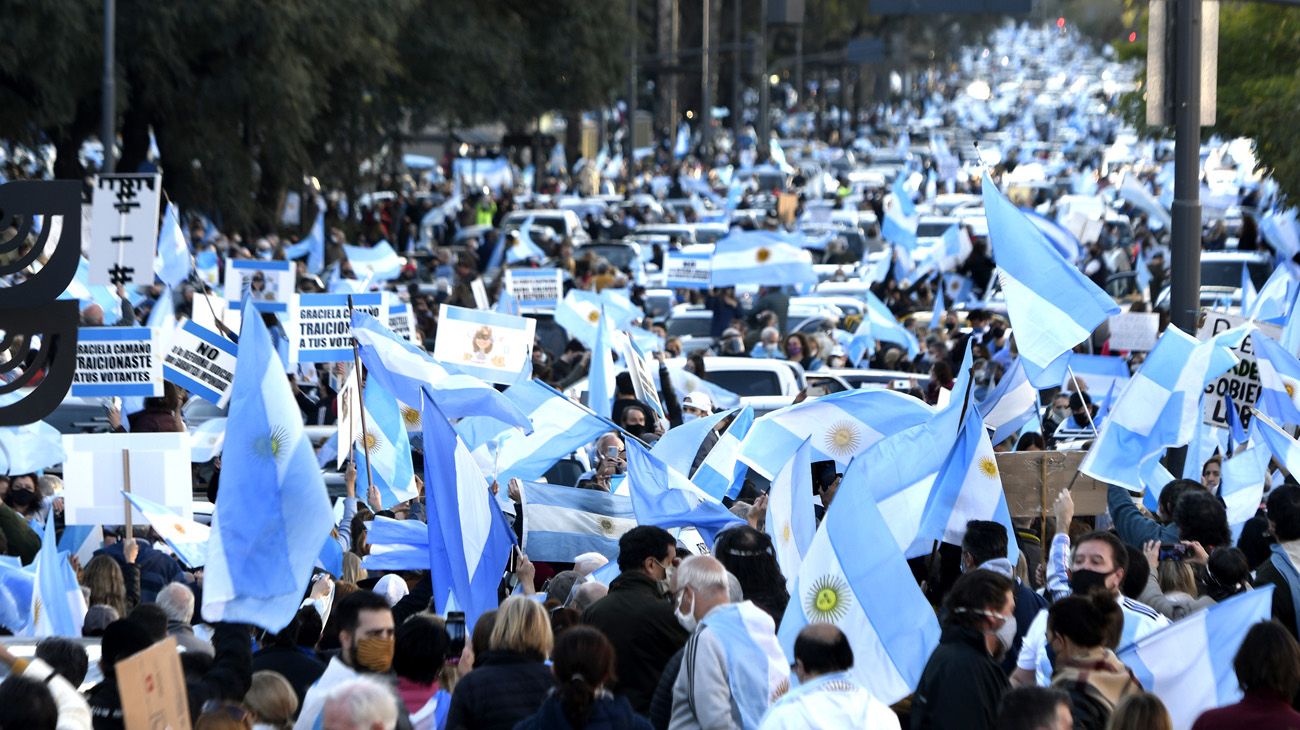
x=629, y=143
x=706, y=69
x=737, y=117
x=764, y=91
x=108, y=114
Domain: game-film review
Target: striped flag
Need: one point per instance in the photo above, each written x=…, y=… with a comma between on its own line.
x=561, y=523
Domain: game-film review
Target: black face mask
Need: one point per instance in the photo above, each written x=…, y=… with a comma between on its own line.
x=20, y=497
x=1083, y=582
x=635, y=430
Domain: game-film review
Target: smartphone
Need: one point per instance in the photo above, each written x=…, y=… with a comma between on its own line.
x=902, y=384
x=1172, y=551
x=611, y=452
x=456, y=632
x=513, y=563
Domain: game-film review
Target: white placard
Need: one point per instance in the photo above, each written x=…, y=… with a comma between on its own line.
x=480, y=294
x=201, y=361
x=269, y=284
x=536, y=290
x=124, y=229
x=92, y=475
x=121, y=361
x=493, y=346
x=349, y=421
x=688, y=270
x=1134, y=331
x=401, y=319
x=1242, y=381
x=320, y=327
x=207, y=309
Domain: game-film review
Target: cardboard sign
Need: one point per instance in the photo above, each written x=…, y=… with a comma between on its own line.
x=489, y=345
x=93, y=475
x=1242, y=381
x=268, y=283
x=536, y=290
x=320, y=326
x=202, y=362
x=643, y=376
x=124, y=361
x=1134, y=331
x=401, y=319
x=1033, y=479
x=152, y=688
x=688, y=270
x=124, y=229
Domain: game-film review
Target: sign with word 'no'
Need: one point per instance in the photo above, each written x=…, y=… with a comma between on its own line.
x=320, y=325
x=202, y=362
x=122, y=361
x=688, y=270
x=124, y=229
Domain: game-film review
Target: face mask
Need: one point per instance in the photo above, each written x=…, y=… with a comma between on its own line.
x=1007, y=634
x=686, y=619
x=375, y=655
x=20, y=497
x=1060, y=414
x=635, y=430
x=795, y=351
x=688, y=417
x=1082, y=582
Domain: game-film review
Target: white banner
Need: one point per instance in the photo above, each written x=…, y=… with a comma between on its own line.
x=122, y=361
x=320, y=327
x=493, y=346
x=202, y=362
x=1134, y=331
x=124, y=229
x=1242, y=381
x=269, y=284
x=93, y=475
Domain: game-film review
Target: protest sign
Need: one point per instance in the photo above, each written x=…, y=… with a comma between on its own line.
x=1134, y=331
x=643, y=376
x=536, y=290
x=320, y=325
x=123, y=361
x=200, y=361
x=401, y=319
x=688, y=270
x=480, y=294
x=1033, y=479
x=152, y=689
x=1242, y=381
x=493, y=346
x=124, y=229
x=208, y=309
x=268, y=283
x=94, y=471
x=349, y=421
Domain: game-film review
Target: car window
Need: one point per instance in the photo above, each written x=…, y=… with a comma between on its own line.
x=932, y=230
x=746, y=382
x=1228, y=273
x=689, y=326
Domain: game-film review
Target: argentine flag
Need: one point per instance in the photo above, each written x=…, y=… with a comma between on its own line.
x=559, y=428
x=839, y=426
x=396, y=545
x=1011, y=404
x=385, y=449
x=766, y=258
x=1285, y=449
x=901, y=219
x=1051, y=304
x=721, y=472
x=187, y=538
x=600, y=376
x=855, y=577
x=561, y=523
x=1279, y=378
x=174, y=261
x=312, y=245
x=1159, y=408
x=579, y=311
x=791, y=520
x=664, y=497
x=16, y=587
x=678, y=446
x=1242, y=485
x=878, y=323
x=376, y=263
x=1188, y=664
x=57, y=604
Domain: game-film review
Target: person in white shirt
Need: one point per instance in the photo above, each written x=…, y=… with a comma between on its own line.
x=827, y=696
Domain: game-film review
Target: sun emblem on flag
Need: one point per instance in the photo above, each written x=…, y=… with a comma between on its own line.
x=410, y=417
x=763, y=254
x=272, y=445
x=606, y=526
x=36, y=610
x=179, y=528
x=1290, y=390
x=827, y=599
x=842, y=439
x=786, y=533
x=593, y=316
x=371, y=442
x=988, y=467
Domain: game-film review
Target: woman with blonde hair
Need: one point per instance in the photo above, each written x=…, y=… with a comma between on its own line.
x=352, y=570
x=272, y=701
x=113, y=585
x=510, y=680
x=1141, y=711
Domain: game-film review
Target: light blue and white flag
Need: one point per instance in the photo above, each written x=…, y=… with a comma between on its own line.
x=174, y=261
x=1241, y=485
x=840, y=426
x=766, y=258
x=17, y=585
x=81, y=289
x=58, y=607
x=396, y=545
x=791, y=520
x=28, y=448
x=385, y=452
x=1284, y=448
x=376, y=263
x=1276, y=299
x=686, y=382
x=878, y=323
x=1095, y=373
x=664, y=497
x=1247, y=288
x=936, y=315
x=901, y=219
x=1137, y=194
x=757, y=669
x=600, y=376
x=1062, y=240
x=1188, y=664
x=1051, y=304
x=272, y=513
x=578, y=313
x=469, y=539
x=405, y=370
x=1159, y=408
x=81, y=541
x=679, y=445
x=187, y=538
x=968, y=487
x=559, y=425
x=852, y=556
x=1279, y=379
x=561, y=523
x=312, y=245
x=721, y=473
x=1011, y=404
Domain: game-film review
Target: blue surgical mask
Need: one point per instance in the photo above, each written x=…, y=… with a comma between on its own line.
x=688, y=417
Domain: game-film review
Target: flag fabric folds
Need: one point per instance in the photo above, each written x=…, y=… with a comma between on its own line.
x=385, y=449
x=721, y=472
x=559, y=427
x=761, y=257
x=757, y=668
x=57, y=604
x=679, y=445
x=561, y=523
x=878, y=323
x=397, y=545
x=1051, y=304
x=1188, y=664
x=791, y=521
x=272, y=513
x=174, y=262
x=1279, y=379
x=312, y=245
x=600, y=376
x=187, y=538
x=851, y=558
x=375, y=263
x=664, y=497
x=1241, y=485
x=1284, y=448
x=1011, y=403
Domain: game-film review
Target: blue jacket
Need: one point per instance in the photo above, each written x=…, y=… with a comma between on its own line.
x=1133, y=527
x=157, y=568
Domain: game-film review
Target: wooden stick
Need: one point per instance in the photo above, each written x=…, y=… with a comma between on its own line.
x=126, y=487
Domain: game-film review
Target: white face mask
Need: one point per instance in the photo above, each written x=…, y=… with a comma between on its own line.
x=688, y=417
x=686, y=619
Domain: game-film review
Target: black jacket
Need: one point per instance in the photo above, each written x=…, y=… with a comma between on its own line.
x=961, y=685
x=502, y=689
x=301, y=667
x=157, y=568
x=638, y=620
x=607, y=713
x=1283, y=606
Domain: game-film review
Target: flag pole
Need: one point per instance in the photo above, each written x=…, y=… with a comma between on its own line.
x=365, y=431
x=1087, y=408
x=126, y=487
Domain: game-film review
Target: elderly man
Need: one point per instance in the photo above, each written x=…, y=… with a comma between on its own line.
x=769, y=345
x=610, y=464
x=360, y=704
x=177, y=601
x=827, y=695
x=732, y=667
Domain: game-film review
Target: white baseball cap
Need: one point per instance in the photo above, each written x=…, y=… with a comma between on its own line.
x=698, y=399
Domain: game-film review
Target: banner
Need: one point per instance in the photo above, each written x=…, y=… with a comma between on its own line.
x=124, y=361
x=202, y=362
x=1242, y=381
x=643, y=376
x=688, y=270
x=493, y=346
x=124, y=229
x=269, y=284
x=320, y=326
x=1134, y=331
x=93, y=475
x=536, y=290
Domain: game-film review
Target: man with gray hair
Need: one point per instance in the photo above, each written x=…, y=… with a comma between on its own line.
x=733, y=666
x=177, y=601
x=360, y=704
x=768, y=345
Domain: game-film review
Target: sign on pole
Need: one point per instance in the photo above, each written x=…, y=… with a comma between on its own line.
x=268, y=283
x=124, y=229
x=688, y=270
x=1134, y=331
x=122, y=361
x=320, y=326
x=202, y=362
x=1242, y=381
x=493, y=346
x=159, y=470
x=536, y=290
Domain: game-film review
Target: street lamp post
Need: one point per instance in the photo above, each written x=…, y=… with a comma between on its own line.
x=108, y=114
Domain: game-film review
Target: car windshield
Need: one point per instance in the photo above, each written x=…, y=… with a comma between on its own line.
x=620, y=256
x=932, y=229
x=689, y=326
x=746, y=382
x=1228, y=273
